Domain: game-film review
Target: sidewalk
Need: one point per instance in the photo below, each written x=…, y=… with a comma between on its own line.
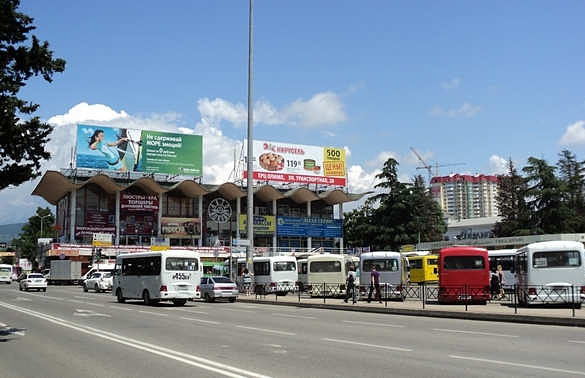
x=546, y=315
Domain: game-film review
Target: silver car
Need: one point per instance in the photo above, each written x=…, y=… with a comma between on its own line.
x=213, y=288
x=32, y=281
x=98, y=281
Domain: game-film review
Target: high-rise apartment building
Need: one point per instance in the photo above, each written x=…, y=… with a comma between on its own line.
x=466, y=196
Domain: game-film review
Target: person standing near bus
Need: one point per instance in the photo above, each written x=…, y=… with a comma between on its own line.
x=375, y=284
x=350, y=285
x=247, y=280
x=500, y=274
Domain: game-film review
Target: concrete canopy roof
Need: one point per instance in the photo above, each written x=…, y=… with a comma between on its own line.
x=104, y=182
x=301, y=195
x=230, y=191
x=148, y=185
x=267, y=193
x=53, y=186
x=189, y=188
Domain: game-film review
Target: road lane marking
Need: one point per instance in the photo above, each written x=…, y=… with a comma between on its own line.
x=44, y=296
x=190, y=311
x=576, y=341
x=515, y=364
x=152, y=313
x=267, y=330
x=374, y=324
x=23, y=299
x=120, y=308
x=474, y=332
x=189, y=359
x=87, y=313
x=201, y=320
x=398, y=349
x=295, y=316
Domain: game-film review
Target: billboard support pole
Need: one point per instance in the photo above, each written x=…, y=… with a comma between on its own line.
x=250, y=201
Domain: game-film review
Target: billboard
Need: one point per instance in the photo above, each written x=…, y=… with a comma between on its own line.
x=131, y=150
x=181, y=228
x=298, y=163
x=309, y=227
x=263, y=224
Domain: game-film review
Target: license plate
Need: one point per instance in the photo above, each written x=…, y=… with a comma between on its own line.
x=465, y=297
x=183, y=288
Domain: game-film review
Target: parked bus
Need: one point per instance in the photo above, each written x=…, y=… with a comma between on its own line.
x=505, y=258
x=303, y=268
x=424, y=269
x=327, y=273
x=393, y=269
x=6, y=273
x=173, y=275
x=551, y=272
x=275, y=274
x=464, y=275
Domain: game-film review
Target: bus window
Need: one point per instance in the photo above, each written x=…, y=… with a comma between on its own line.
x=284, y=266
x=182, y=263
x=325, y=266
x=416, y=264
x=464, y=262
x=262, y=268
x=382, y=265
x=556, y=259
x=432, y=262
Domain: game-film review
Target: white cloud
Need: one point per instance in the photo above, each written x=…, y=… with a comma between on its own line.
x=451, y=84
x=83, y=112
x=323, y=109
x=498, y=165
x=574, y=135
x=382, y=157
x=347, y=152
x=466, y=110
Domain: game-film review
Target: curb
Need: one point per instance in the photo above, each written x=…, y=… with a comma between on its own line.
x=524, y=319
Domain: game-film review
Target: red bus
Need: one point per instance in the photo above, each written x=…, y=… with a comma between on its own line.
x=464, y=275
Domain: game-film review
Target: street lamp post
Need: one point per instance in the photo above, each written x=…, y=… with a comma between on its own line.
x=250, y=182
x=43, y=217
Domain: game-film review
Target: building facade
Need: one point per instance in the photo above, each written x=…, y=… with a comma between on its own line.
x=466, y=196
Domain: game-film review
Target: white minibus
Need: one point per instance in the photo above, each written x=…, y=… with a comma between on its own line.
x=275, y=274
x=303, y=266
x=327, y=273
x=393, y=269
x=551, y=272
x=6, y=273
x=172, y=275
x=505, y=258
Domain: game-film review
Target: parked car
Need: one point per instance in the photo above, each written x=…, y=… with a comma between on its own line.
x=28, y=281
x=46, y=273
x=99, y=281
x=213, y=288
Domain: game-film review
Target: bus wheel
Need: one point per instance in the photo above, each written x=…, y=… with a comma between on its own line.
x=179, y=302
x=232, y=300
x=119, y=296
x=146, y=298
x=85, y=288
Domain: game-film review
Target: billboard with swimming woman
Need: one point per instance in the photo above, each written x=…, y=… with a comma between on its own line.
x=132, y=150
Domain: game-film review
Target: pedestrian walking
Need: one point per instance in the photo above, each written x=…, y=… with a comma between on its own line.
x=500, y=274
x=247, y=280
x=375, y=284
x=350, y=285
x=494, y=284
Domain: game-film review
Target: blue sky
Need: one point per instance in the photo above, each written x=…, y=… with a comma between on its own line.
x=459, y=81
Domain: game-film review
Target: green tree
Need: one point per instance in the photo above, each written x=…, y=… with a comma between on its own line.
x=22, y=141
x=27, y=242
x=512, y=206
x=571, y=173
x=358, y=229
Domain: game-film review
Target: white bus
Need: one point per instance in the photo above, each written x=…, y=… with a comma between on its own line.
x=327, y=273
x=6, y=273
x=551, y=272
x=173, y=275
x=276, y=274
x=393, y=269
x=505, y=258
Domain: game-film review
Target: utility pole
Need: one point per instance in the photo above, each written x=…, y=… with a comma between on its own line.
x=250, y=201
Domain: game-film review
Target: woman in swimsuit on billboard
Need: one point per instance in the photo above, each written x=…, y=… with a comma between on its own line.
x=97, y=143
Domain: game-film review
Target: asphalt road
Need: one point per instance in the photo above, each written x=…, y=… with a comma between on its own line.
x=67, y=333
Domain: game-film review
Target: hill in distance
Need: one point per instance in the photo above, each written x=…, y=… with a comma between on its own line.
x=10, y=231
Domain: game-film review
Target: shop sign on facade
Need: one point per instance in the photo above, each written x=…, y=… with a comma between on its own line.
x=263, y=224
x=309, y=227
x=90, y=230
x=138, y=202
x=159, y=244
x=102, y=240
x=297, y=163
x=181, y=228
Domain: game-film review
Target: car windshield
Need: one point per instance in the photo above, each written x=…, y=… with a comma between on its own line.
x=107, y=275
x=556, y=259
x=182, y=263
x=35, y=276
x=222, y=280
x=282, y=266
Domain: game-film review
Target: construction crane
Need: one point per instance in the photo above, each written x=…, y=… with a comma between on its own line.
x=429, y=167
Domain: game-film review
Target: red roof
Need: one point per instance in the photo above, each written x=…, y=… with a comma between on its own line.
x=464, y=178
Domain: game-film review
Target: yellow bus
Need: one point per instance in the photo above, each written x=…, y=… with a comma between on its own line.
x=424, y=268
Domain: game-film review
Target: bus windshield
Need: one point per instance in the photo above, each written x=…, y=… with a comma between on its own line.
x=464, y=262
x=382, y=265
x=182, y=263
x=325, y=266
x=556, y=259
x=284, y=266
x=6, y=269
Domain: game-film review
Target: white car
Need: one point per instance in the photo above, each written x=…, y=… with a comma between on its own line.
x=31, y=281
x=99, y=281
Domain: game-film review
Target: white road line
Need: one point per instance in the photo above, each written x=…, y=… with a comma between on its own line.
x=44, y=296
x=120, y=308
x=80, y=297
x=201, y=320
x=368, y=345
x=576, y=341
x=267, y=330
x=474, y=332
x=189, y=359
x=506, y=363
x=3, y=325
x=190, y=311
x=374, y=324
x=152, y=313
x=295, y=316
